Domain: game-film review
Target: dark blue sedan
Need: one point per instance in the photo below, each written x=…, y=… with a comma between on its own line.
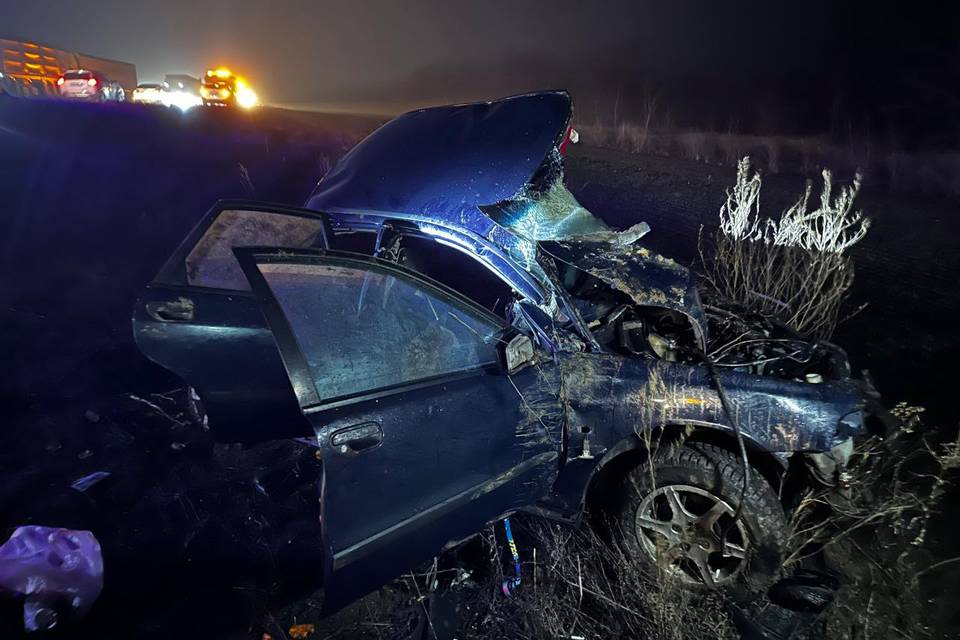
x=445, y=337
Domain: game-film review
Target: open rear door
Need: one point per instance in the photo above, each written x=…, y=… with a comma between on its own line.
x=199, y=320
x=424, y=434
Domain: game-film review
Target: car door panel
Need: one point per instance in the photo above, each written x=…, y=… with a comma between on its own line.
x=196, y=320
x=227, y=353
x=453, y=446
x=419, y=436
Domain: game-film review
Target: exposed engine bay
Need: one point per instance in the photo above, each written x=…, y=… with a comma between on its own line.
x=743, y=342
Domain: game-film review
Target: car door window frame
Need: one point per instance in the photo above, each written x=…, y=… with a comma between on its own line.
x=301, y=376
x=174, y=270
x=477, y=247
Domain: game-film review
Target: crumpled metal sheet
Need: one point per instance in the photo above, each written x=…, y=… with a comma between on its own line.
x=51, y=567
x=647, y=277
x=618, y=395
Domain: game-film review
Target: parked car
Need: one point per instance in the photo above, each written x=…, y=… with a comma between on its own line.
x=451, y=340
x=84, y=84
x=149, y=93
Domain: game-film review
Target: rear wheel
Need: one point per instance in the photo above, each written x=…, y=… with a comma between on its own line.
x=676, y=512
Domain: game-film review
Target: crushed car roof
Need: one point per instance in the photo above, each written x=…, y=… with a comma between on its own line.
x=445, y=162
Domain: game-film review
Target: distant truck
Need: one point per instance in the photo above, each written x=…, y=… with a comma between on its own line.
x=32, y=69
x=219, y=88
x=222, y=88
x=121, y=73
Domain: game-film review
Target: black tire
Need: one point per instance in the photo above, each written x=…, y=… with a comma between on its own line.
x=699, y=473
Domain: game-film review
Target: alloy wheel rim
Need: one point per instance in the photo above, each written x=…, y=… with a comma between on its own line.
x=690, y=533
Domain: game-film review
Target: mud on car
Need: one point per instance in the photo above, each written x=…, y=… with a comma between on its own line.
x=443, y=336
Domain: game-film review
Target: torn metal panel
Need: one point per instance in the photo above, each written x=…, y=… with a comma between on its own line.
x=546, y=210
x=618, y=396
x=616, y=403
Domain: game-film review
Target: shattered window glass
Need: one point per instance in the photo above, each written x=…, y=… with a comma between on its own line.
x=547, y=210
x=211, y=263
x=364, y=330
x=552, y=214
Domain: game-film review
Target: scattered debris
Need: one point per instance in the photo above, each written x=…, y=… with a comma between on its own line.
x=790, y=609
x=89, y=480
x=58, y=572
x=302, y=631
x=512, y=583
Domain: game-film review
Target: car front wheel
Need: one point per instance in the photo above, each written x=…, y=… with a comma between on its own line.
x=677, y=514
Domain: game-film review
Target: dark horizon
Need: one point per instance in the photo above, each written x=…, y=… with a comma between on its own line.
x=749, y=67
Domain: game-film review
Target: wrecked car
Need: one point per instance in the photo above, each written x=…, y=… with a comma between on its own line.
x=449, y=338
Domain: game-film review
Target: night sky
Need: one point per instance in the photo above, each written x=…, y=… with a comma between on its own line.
x=720, y=64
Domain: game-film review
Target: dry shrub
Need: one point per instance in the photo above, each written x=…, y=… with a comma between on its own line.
x=874, y=529
x=577, y=585
x=694, y=145
x=794, y=269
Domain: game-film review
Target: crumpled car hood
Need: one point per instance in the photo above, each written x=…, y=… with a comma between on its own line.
x=445, y=162
x=647, y=277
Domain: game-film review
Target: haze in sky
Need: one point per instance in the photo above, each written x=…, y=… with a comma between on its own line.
x=389, y=55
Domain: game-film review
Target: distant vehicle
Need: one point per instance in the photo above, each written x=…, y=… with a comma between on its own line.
x=221, y=88
x=84, y=84
x=182, y=82
x=182, y=91
x=149, y=93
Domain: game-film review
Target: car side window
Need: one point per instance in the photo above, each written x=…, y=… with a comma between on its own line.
x=454, y=268
x=211, y=262
x=363, y=329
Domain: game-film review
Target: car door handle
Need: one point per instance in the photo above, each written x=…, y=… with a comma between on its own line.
x=357, y=438
x=179, y=310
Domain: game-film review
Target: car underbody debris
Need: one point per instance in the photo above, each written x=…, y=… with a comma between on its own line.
x=790, y=609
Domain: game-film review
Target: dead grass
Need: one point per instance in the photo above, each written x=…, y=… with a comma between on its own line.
x=874, y=531
x=577, y=585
